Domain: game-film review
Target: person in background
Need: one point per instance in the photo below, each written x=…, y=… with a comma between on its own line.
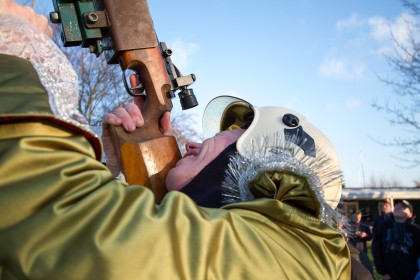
x=360, y=232
x=396, y=244
x=65, y=216
x=367, y=218
x=361, y=268
x=385, y=213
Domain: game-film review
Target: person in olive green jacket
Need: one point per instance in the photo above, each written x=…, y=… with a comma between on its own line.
x=65, y=216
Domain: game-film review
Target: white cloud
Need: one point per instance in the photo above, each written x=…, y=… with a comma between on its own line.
x=386, y=33
x=182, y=52
x=400, y=31
x=352, y=103
x=380, y=28
x=404, y=27
x=352, y=22
x=336, y=68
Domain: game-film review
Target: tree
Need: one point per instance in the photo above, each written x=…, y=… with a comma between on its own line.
x=383, y=183
x=102, y=90
x=404, y=108
x=183, y=129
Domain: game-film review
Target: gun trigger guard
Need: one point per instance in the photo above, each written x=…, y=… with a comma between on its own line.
x=130, y=89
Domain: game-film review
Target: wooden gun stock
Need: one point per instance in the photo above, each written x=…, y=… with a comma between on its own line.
x=147, y=154
x=123, y=31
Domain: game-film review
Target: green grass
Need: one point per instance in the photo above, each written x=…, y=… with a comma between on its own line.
x=376, y=275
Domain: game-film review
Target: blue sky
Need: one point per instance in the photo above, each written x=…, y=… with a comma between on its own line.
x=320, y=58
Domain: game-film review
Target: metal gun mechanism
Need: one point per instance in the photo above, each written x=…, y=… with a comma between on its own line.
x=87, y=23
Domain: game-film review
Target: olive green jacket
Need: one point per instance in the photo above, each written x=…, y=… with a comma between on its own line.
x=63, y=215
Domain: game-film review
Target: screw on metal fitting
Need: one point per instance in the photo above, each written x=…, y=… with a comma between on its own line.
x=54, y=17
x=290, y=120
x=92, y=17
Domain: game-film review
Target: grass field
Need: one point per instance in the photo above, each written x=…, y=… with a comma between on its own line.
x=376, y=275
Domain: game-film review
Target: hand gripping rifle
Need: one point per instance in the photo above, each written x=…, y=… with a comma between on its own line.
x=123, y=31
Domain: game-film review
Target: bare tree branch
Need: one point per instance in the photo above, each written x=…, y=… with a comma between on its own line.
x=101, y=91
x=403, y=109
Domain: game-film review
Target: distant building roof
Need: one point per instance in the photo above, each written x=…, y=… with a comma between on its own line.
x=379, y=194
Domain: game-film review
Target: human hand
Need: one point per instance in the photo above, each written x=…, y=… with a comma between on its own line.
x=130, y=118
x=28, y=15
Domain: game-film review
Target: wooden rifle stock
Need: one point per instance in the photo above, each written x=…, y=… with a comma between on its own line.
x=123, y=31
x=147, y=154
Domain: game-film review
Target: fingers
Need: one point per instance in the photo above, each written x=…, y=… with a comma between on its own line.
x=39, y=21
x=165, y=123
x=42, y=24
x=129, y=117
x=111, y=119
x=135, y=84
x=27, y=14
x=134, y=115
x=133, y=109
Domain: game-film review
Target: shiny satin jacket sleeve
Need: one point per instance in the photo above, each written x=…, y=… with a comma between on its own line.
x=63, y=215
